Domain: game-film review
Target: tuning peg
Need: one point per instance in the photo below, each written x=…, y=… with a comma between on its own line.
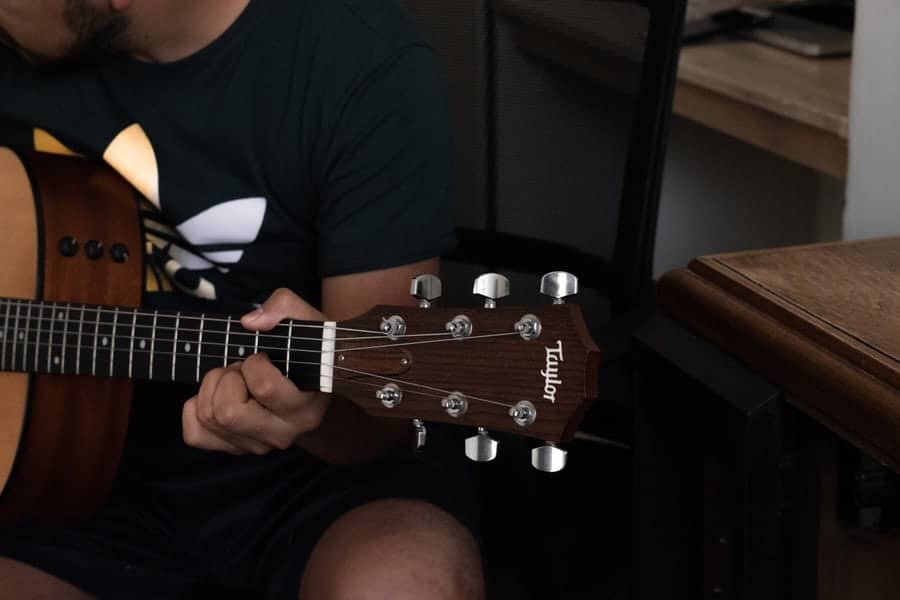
x=481, y=447
x=421, y=434
x=559, y=285
x=549, y=458
x=426, y=288
x=492, y=286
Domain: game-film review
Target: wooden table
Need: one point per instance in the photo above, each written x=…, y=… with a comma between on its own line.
x=811, y=331
x=822, y=322
x=790, y=105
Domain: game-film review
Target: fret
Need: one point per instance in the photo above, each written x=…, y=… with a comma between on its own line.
x=274, y=345
x=25, y=341
x=65, y=349
x=175, y=344
x=15, y=334
x=287, y=360
x=43, y=339
x=112, y=349
x=243, y=344
x=52, y=307
x=106, y=339
x=96, y=340
x=5, y=333
x=153, y=342
x=164, y=355
x=140, y=361
x=56, y=341
x=227, y=342
x=78, y=340
x=186, y=350
x=213, y=331
x=131, y=344
x=200, y=345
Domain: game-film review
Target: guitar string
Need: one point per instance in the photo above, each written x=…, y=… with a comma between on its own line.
x=337, y=367
x=440, y=396
x=127, y=322
x=171, y=341
x=142, y=313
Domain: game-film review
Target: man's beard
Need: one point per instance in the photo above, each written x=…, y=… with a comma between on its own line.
x=98, y=36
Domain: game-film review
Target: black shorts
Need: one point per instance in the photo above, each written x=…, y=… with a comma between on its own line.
x=215, y=525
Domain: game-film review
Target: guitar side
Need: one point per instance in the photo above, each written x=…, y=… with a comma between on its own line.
x=61, y=438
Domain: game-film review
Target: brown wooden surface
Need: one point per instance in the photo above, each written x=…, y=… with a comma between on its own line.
x=495, y=372
x=821, y=321
x=792, y=106
x=76, y=426
x=19, y=244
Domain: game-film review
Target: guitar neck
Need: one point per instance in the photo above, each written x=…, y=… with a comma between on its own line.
x=103, y=341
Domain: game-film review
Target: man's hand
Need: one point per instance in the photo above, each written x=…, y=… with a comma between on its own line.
x=250, y=406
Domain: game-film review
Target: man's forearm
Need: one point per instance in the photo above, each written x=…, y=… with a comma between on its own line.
x=347, y=435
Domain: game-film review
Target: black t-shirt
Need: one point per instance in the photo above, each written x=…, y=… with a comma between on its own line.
x=310, y=140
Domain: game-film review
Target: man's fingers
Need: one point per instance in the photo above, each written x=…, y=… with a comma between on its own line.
x=197, y=436
x=281, y=305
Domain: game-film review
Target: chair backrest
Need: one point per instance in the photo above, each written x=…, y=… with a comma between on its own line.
x=563, y=110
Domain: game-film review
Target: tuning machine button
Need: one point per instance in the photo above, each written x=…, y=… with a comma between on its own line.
x=426, y=289
x=393, y=327
x=559, y=285
x=68, y=246
x=493, y=287
x=524, y=413
x=390, y=395
x=455, y=404
x=119, y=253
x=548, y=458
x=421, y=434
x=93, y=249
x=481, y=447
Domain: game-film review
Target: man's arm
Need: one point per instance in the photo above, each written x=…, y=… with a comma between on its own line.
x=250, y=407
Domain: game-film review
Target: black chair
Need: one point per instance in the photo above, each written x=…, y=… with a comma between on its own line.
x=563, y=110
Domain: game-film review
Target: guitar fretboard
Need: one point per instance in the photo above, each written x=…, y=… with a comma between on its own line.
x=79, y=339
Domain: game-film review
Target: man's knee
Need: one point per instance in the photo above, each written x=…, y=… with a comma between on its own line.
x=23, y=581
x=395, y=549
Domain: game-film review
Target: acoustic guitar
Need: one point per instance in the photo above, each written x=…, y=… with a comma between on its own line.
x=73, y=337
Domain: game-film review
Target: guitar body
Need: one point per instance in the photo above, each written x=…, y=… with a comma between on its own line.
x=61, y=437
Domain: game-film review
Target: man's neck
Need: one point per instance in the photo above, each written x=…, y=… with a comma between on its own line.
x=170, y=30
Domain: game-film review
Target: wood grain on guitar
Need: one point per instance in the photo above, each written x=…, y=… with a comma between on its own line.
x=72, y=337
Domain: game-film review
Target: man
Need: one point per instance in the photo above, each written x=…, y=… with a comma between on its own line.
x=292, y=145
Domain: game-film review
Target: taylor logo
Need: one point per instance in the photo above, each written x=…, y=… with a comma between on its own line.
x=551, y=371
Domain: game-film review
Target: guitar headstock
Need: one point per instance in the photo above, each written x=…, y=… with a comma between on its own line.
x=529, y=371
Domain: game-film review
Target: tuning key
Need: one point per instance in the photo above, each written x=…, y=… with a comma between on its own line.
x=492, y=286
x=481, y=447
x=421, y=434
x=559, y=285
x=425, y=288
x=549, y=458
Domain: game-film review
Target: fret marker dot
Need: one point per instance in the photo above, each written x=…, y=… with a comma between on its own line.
x=21, y=335
x=187, y=347
x=105, y=341
x=61, y=316
x=1, y=334
x=241, y=351
x=143, y=344
x=56, y=360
